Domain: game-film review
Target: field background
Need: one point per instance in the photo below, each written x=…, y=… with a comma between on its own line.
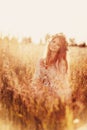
x=23, y=108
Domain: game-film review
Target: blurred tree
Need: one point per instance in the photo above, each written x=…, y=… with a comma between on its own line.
x=83, y=44
x=72, y=42
x=27, y=40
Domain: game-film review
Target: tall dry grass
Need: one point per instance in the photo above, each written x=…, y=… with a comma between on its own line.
x=26, y=109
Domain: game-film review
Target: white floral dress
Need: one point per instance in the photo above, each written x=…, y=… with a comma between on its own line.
x=51, y=77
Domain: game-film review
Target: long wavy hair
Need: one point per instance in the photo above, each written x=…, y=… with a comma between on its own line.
x=61, y=54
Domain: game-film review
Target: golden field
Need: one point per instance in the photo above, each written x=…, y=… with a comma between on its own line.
x=22, y=108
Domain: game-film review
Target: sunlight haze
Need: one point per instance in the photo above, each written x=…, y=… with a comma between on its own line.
x=36, y=18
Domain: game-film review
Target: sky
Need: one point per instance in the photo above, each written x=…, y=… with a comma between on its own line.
x=36, y=18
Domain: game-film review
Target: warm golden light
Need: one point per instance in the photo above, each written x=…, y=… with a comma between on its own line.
x=40, y=107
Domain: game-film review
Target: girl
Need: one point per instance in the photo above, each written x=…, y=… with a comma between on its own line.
x=51, y=71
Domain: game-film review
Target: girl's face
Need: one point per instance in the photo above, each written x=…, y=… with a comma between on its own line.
x=54, y=45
